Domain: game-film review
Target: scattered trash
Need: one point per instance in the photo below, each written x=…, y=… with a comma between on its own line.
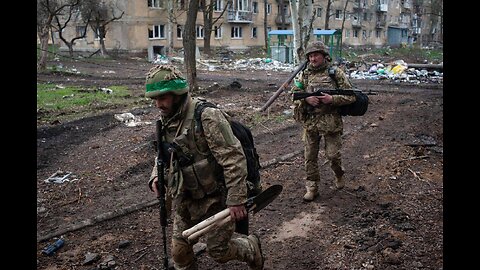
x=106, y=90
x=91, y=258
x=130, y=120
x=59, y=177
x=50, y=249
x=398, y=70
x=161, y=59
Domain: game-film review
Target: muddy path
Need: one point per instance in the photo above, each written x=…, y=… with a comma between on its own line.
x=389, y=216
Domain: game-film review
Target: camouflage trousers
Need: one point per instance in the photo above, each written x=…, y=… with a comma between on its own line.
x=220, y=245
x=333, y=145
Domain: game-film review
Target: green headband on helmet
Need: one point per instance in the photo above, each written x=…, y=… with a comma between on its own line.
x=161, y=87
x=163, y=79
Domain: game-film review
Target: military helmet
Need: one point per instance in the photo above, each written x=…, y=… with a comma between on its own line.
x=163, y=79
x=317, y=46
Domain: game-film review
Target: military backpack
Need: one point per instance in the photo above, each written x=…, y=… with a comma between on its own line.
x=244, y=135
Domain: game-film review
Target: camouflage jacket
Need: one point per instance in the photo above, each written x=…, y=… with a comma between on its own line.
x=213, y=152
x=324, y=117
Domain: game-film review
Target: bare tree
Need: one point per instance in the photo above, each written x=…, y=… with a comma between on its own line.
x=101, y=14
x=265, y=25
x=46, y=12
x=189, y=45
x=208, y=22
x=61, y=23
x=328, y=13
x=303, y=15
x=344, y=14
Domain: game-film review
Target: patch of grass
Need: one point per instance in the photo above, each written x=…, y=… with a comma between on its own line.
x=428, y=54
x=56, y=102
x=412, y=52
x=258, y=119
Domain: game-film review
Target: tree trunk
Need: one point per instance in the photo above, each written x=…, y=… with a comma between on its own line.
x=170, y=30
x=344, y=15
x=189, y=44
x=327, y=15
x=207, y=27
x=296, y=31
x=43, y=36
x=303, y=15
x=265, y=25
x=103, y=50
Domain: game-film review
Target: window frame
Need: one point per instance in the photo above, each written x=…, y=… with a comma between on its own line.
x=236, y=32
x=160, y=28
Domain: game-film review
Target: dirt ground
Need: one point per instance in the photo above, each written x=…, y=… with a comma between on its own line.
x=389, y=215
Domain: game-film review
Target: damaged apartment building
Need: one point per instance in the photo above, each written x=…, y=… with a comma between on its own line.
x=152, y=27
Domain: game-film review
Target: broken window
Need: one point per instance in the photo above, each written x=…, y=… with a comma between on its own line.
x=156, y=31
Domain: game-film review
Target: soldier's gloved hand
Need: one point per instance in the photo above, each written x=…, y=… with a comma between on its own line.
x=238, y=212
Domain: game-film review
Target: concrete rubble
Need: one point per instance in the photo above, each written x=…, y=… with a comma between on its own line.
x=398, y=71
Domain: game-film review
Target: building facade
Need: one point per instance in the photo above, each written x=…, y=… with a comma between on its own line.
x=145, y=26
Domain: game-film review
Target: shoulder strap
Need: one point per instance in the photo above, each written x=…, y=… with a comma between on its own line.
x=333, y=75
x=332, y=72
x=200, y=106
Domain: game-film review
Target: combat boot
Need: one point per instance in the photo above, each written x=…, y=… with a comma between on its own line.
x=312, y=191
x=339, y=182
x=258, y=259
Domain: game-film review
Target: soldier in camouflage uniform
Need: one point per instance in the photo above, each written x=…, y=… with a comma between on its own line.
x=205, y=173
x=319, y=115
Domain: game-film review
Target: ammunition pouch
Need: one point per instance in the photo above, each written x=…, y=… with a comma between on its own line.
x=200, y=178
x=183, y=159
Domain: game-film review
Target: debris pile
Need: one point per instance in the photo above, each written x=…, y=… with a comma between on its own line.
x=398, y=71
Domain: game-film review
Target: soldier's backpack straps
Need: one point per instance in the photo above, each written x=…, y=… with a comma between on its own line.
x=200, y=106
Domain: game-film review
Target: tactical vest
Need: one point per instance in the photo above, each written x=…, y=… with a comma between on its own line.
x=194, y=169
x=317, y=79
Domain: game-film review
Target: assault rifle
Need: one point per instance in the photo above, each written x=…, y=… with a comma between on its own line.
x=320, y=92
x=162, y=190
x=357, y=108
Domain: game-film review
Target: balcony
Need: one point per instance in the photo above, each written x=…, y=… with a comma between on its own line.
x=239, y=16
x=288, y=20
x=382, y=7
x=357, y=24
